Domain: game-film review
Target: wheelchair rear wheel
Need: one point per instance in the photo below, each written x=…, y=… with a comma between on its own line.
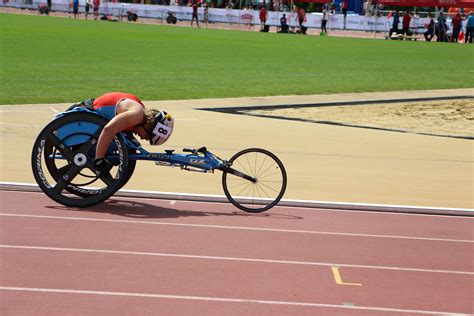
x=62, y=161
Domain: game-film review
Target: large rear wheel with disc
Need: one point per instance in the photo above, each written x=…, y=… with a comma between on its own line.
x=62, y=161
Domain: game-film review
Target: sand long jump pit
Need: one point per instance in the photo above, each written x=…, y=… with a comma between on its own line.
x=446, y=118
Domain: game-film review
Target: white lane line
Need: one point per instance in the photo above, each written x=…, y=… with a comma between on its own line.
x=234, y=227
x=226, y=300
x=321, y=208
x=173, y=255
x=54, y=110
x=315, y=206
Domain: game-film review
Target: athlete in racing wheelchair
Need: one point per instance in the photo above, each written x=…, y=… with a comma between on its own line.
x=128, y=113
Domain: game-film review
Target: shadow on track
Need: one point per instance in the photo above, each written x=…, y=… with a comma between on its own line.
x=142, y=210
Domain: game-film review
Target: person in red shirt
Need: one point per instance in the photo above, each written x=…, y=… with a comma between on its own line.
x=195, y=7
x=456, y=27
x=406, y=23
x=127, y=113
x=263, y=17
x=96, y=4
x=301, y=16
x=344, y=11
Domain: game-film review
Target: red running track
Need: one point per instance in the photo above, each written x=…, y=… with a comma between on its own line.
x=161, y=257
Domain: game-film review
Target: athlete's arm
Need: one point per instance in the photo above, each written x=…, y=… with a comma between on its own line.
x=129, y=113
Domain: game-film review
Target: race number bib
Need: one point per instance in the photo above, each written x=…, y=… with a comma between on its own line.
x=162, y=130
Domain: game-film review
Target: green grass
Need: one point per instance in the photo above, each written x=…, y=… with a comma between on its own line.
x=46, y=59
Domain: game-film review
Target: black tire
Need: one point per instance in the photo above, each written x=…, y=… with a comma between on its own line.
x=70, y=168
x=56, y=173
x=269, y=185
x=131, y=163
x=130, y=169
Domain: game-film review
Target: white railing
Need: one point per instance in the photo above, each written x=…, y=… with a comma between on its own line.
x=233, y=16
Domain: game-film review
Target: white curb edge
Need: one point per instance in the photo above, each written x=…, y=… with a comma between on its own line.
x=28, y=187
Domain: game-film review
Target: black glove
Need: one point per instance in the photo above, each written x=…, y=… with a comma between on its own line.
x=103, y=165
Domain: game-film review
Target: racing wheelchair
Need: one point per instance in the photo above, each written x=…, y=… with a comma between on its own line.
x=254, y=179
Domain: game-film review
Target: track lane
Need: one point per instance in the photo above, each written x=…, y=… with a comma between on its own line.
x=211, y=241
x=143, y=228
x=115, y=303
x=339, y=221
x=233, y=280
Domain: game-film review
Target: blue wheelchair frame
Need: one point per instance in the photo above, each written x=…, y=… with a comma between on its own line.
x=73, y=134
x=200, y=160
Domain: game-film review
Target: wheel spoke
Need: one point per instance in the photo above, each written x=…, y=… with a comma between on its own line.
x=250, y=166
x=269, y=188
x=257, y=174
x=66, y=152
x=105, y=177
x=238, y=194
x=265, y=171
x=243, y=167
x=90, y=143
x=63, y=169
x=67, y=177
x=258, y=191
x=253, y=194
x=263, y=191
x=263, y=184
x=241, y=183
x=266, y=176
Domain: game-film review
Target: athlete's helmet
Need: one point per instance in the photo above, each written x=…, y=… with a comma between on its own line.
x=162, y=128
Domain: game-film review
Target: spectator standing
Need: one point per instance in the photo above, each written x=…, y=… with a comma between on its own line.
x=263, y=17
x=456, y=27
x=396, y=21
x=325, y=20
x=370, y=7
x=442, y=28
x=344, y=11
x=206, y=12
x=292, y=19
x=301, y=17
x=75, y=8
x=229, y=7
x=48, y=3
x=96, y=9
x=195, y=7
x=469, y=28
x=406, y=23
x=429, y=33
x=88, y=7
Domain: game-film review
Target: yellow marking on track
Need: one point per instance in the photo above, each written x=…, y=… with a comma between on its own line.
x=338, y=278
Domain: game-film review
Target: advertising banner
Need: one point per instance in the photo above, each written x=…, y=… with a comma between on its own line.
x=430, y=3
x=232, y=16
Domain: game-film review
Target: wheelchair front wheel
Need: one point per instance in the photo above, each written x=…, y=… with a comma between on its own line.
x=267, y=184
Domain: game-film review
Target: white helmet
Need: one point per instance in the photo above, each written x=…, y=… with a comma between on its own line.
x=163, y=128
